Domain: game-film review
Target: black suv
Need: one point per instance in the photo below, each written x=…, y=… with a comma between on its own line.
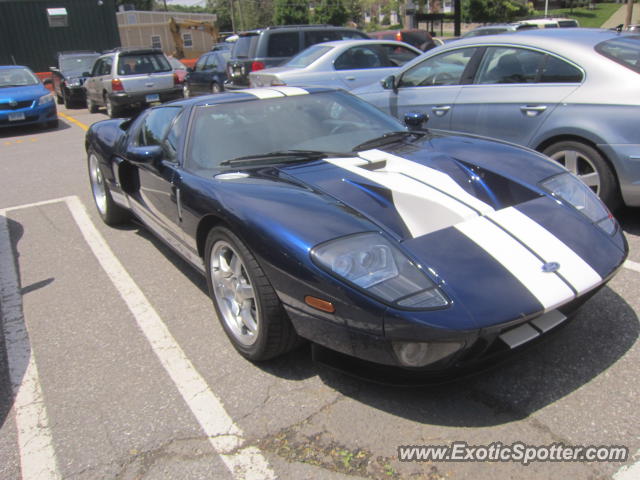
x=271, y=46
x=70, y=74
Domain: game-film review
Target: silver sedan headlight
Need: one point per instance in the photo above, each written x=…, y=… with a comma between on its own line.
x=371, y=263
x=573, y=191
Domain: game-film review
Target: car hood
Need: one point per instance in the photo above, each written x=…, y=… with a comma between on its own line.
x=476, y=219
x=23, y=93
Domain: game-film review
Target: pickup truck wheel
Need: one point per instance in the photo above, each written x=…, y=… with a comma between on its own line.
x=215, y=87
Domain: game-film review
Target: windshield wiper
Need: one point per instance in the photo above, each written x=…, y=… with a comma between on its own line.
x=388, y=137
x=283, y=156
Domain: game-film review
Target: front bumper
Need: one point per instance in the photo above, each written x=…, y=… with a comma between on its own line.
x=122, y=99
x=32, y=115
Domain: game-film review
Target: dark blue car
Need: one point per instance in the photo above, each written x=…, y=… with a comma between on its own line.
x=315, y=216
x=24, y=99
x=208, y=74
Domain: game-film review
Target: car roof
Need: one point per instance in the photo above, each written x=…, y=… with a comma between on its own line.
x=555, y=38
x=363, y=41
x=6, y=67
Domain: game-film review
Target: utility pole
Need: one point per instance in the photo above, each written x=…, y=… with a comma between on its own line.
x=627, y=21
x=233, y=22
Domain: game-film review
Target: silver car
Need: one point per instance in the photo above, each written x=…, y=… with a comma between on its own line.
x=131, y=77
x=343, y=64
x=570, y=93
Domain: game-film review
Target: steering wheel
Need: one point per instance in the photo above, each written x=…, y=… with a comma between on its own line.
x=442, y=78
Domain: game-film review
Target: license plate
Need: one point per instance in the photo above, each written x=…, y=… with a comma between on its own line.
x=16, y=116
x=152, y=98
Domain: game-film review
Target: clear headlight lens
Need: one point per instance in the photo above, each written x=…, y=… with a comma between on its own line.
x=572, y=190
x=74, y=82
x=370, y=262
x=45, y=99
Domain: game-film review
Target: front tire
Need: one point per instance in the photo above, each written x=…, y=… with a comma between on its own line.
x=110, y=212
x=216, y=88
x=186, y=91
x=91, y=105
x=246, y=304
x=589, y=166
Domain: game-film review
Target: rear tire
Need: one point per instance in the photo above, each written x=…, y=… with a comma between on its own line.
x=112, y=110
x=247, y=306
x=110, y=212
x=589, y=166
x=91, y=105
x=216, y=88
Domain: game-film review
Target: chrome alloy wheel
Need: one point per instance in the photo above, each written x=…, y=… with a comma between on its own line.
x=97, y=184
x=234, y=293
x=581, y=166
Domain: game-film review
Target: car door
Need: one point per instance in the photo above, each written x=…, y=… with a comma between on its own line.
x=197, y=77
x=100, y=80
x=514, y=91
x=157, y=202
x=431, y=86
x=364, y=64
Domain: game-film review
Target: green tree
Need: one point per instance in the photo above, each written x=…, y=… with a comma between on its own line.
x=291, y=12
x=332, y=12
x=354, y=10
x=493, y=10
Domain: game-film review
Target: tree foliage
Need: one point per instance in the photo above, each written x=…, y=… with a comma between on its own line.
x=485, y=11
x=288, y=12
x=332, y=12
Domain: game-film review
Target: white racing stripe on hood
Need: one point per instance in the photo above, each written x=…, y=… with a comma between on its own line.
x=291, y=91
x=550, y=290
x=430, y=176
x=422, y=208
x=551, y=249
x=263, y=93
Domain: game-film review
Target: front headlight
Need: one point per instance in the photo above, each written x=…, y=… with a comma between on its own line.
x=45, y=99
x=74, y=82
x=573, y=191
x=370, y=262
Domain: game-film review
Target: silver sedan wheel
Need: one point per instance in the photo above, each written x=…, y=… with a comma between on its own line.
x=186, y=93
x=234, y=293
x=97, y=184
x=581, y=166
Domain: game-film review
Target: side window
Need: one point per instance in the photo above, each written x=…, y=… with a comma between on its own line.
x=170, y=143
x=285, y=44
x=397, y=55
x=319, y=36
x=156, y=125
x=211, y=63
x=509, y=65
x=97, y=68
x=201, y=63
x=106, y=66
x=559, y=71
x=358, y=58
x=444, y=69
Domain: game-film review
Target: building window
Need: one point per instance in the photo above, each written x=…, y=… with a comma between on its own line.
x=132, y=18
x=187, y=40
x=155, y=41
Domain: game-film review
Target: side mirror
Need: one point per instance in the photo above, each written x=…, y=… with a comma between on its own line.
x=148, y=155
x=389, y=83
x=415, y=120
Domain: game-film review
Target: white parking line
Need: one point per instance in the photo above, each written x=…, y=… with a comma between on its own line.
x=224, y=435
x=37, y=455
x=635, y=266
x=630, y=472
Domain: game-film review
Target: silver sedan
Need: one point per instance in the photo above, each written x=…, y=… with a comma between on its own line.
x=343, y=64
x=569, y=93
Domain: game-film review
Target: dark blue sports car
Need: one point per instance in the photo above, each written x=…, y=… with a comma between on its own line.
x=315, y=216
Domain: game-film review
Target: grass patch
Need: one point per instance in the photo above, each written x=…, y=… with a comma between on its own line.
x=587, y=18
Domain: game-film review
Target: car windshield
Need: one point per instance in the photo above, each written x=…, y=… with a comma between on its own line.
x=79, y=64
x=624, y=50
x=326, y=122
x=141, y=63
x=17, y=77
x=308, y=56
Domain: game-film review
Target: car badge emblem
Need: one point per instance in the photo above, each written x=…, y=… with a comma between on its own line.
x=13, y=103
x=550, y=267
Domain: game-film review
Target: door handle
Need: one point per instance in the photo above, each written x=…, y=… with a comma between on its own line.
x=440, y=110
x=532, y=111
x=350, y=78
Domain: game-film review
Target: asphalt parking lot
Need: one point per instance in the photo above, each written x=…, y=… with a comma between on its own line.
x=123, y=371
